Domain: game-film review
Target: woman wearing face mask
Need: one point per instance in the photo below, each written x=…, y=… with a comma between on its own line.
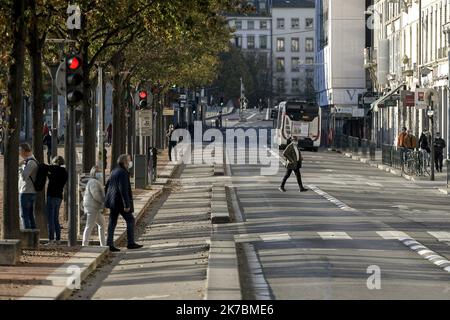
x=93, y=203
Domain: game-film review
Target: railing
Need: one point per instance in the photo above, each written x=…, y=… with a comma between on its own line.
x=354, y=145
x=393, y=156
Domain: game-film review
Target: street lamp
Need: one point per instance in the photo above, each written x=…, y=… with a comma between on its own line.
x=447, y=33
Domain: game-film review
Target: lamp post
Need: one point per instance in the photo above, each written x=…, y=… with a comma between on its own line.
x=430, y=114
x=447, y=33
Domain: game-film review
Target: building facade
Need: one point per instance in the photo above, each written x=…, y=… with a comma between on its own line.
x=340, y=77
x=293, y=43
x=410, y=55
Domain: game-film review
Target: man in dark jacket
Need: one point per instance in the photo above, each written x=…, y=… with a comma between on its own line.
x=119, y=199
x=439, y=146
x=294, y=160
x=423, y=142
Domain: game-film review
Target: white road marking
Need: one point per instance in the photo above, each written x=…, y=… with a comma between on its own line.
x=442, y=236
x=275, y=237
x=334, y=235
x=253, y=115
x=392, y=235
x=426, y=253
x=332, y=199
x=374, y=184
x=165, y=245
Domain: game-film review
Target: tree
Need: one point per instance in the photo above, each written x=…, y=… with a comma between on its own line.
x=15, y=23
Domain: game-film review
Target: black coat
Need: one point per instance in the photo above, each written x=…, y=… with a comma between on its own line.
x=118, y=191
x=57, y=178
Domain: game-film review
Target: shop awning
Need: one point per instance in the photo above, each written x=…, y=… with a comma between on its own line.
x=374, y=105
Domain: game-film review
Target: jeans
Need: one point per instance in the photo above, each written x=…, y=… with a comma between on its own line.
x=94, y=218
x=438, y=161
x=297, y=174
x=129, y=218
x=53, y=205
x=26, y=201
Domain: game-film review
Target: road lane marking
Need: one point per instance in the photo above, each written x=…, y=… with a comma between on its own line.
x=253, y=115
x=426, y=253
x=334, y=235
x=392, y=235
x=275, y=237
x=375, y=184
x=440, y=235
x=332, y=199
x=165, y=245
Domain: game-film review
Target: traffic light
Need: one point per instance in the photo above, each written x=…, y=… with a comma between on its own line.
x=74, y=79
x=143, y=99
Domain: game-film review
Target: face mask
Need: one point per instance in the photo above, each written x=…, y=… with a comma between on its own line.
x=130, y=165
x=99, y=176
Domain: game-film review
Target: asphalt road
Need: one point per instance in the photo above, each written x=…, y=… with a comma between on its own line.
x=356, y=235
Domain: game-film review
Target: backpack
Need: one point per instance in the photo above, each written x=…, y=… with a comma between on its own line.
x=41, y=176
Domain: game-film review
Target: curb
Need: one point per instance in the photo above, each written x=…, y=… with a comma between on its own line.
x=219, y=205
x=387, y=168
x=80, y=266
x=86, y=260
x=222, y=275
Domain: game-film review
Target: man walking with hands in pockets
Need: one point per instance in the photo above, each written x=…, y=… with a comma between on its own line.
x=294, y=160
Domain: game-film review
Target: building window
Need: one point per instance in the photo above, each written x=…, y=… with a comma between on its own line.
x=295, y=67
x=295, y=45
x=263, y=24
x=280, y=23
x=263, y=42
x=262, y=60
x=280, y=64
x=250, y=42
x=280, y=85
x=238, y=41
x=309, y=60
x=309, y=45
x=238, y=25
x=262, y=6
x=250, y=25
x=280, y=44
x=295, y=84
x=295, y=23
x=309, y=23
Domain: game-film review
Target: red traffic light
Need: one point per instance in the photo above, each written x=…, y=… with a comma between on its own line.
x=74, y=63
x=143, y=94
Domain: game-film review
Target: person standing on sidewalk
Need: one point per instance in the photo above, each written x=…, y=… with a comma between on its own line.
x=47, y=141
x=410, y=141
x=294, y=160
x=27, y=193
x=439, y=146
x=171, y=143
x=57, y=178
x=93, y=204
x=119, y=199
x=424, y=143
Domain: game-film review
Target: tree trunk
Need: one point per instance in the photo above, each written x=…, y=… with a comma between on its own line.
x=88, y=125
x=37, y=91
x=10, y=226
x=117, y=123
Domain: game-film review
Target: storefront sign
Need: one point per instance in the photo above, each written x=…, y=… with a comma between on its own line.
x=420, y=100
x=408, y=99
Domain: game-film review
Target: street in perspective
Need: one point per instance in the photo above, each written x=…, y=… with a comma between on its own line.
x=225, y=151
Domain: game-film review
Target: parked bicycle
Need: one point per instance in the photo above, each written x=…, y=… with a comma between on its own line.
x=416, y=163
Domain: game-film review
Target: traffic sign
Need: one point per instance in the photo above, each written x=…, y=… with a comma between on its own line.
x=145, y=123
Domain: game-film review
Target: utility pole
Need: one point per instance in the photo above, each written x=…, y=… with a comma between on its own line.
x=101, y=122
x=447, y=34
x=431, y=121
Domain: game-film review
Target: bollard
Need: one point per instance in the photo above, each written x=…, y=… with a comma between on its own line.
x=372, y=150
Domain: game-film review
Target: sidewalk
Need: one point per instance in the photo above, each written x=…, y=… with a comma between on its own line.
x=43, y=274
x=440, y=182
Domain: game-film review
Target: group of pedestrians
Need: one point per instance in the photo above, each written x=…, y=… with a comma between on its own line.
x=115, y=196
x=408, y=142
